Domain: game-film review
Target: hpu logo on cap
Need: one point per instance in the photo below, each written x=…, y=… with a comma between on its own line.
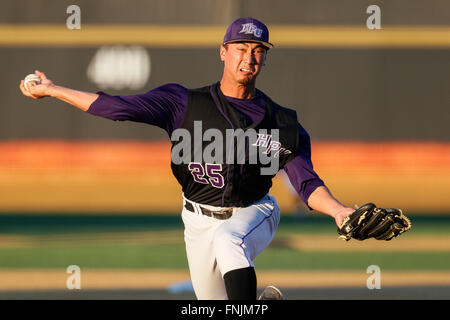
x=249, y=28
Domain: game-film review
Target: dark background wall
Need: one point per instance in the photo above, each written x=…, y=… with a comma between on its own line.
x=339, y=93
x=324, y=12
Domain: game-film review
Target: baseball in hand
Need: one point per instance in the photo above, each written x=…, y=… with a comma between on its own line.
x=29, y=79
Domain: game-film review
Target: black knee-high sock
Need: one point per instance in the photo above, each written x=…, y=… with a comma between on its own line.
x=241, y=284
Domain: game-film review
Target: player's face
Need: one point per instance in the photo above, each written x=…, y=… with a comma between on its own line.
x=243, y=61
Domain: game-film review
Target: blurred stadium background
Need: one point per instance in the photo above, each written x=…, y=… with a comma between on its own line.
x=80, y=190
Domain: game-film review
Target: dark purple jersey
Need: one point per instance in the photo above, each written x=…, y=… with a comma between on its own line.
x=165, y=107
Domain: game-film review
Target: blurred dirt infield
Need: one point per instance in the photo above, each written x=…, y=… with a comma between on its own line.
x=55, y=279
x=114, y=176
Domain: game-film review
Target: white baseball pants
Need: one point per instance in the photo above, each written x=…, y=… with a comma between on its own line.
x=214, y=247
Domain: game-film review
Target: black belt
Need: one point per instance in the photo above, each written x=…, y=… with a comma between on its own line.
x=221, y=215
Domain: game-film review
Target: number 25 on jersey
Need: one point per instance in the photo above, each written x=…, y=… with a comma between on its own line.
x=210, y=170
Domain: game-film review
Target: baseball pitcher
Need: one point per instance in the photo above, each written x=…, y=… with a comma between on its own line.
x=228, y=213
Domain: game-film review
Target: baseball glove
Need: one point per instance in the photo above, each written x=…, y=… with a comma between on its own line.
x=369, y=221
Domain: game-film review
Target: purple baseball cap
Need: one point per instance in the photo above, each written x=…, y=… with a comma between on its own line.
x=248, y=29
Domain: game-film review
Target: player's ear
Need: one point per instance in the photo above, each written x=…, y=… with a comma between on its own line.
x=223, y=51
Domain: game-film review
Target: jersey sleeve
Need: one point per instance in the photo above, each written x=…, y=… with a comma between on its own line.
x=164, y=107
x=300, y=169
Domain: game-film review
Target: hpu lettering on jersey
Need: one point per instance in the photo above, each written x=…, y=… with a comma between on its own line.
x=266, y=141
x=249, y=28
